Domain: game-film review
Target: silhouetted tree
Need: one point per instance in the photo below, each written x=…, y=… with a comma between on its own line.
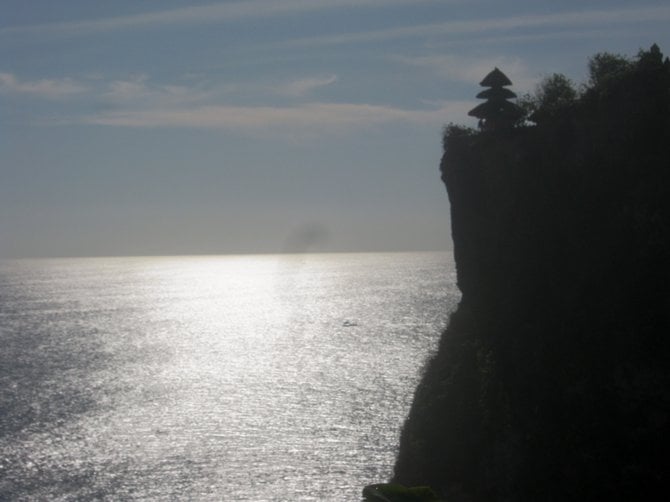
x=605, y=67
x=553, y=96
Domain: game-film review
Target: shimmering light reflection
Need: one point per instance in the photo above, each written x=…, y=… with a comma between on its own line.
x=215, y=378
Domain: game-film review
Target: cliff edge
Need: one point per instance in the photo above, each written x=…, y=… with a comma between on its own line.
x=551, y=380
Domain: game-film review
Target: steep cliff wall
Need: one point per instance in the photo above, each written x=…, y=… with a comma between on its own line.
x=551, y=381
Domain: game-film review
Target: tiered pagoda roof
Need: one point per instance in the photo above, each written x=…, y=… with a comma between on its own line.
x=496, y=111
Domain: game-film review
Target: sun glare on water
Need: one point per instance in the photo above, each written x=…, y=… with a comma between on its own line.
x=193, y=377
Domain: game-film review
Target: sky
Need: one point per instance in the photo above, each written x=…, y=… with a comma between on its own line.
x=139, y=127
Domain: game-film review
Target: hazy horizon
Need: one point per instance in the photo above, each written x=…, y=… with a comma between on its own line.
x=282, y=254
x=132, y=128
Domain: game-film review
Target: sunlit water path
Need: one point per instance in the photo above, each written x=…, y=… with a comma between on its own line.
x=212, y=378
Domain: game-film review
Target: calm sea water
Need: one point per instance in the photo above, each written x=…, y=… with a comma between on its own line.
x=212, y=378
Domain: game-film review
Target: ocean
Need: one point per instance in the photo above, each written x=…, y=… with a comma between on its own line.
x=236, y=378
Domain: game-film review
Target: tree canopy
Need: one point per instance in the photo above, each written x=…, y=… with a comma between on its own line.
x=610, y=77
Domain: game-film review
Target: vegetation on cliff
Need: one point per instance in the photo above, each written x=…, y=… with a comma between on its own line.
x=551, y=380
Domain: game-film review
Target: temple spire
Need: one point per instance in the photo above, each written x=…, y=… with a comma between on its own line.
x=496, y=112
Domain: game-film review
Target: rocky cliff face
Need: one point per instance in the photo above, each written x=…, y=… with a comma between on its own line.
x=551, y=381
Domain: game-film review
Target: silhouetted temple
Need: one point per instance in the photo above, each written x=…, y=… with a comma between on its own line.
x=496, y=111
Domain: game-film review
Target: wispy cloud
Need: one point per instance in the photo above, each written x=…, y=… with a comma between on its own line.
x=305, y=118
x=137, y=102
x=138, y=90
x=214, y=13
x=556, y=33
x=498, y=25
x=44, y=88
x=302, y=87
x=459, y=68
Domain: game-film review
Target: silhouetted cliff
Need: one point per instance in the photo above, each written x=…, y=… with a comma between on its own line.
x=551, y=380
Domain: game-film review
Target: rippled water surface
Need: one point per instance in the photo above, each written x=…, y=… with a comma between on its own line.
x=212, y=378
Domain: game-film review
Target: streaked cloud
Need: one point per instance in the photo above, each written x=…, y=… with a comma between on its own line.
x=304, y=86
x=44, y=88
x=200, y=14
x=139, y=89
x=305, y=118
x=470, y=70
x=138, y=102
x=498, y=25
